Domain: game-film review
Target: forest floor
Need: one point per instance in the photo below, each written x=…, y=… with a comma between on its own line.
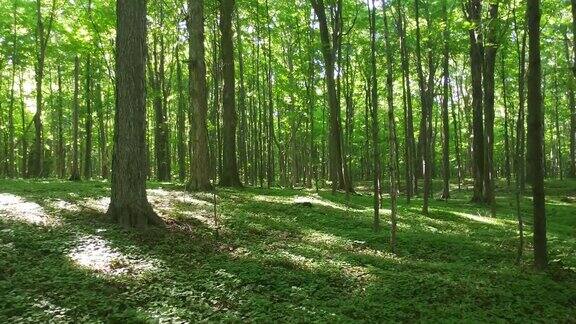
x=266, y=258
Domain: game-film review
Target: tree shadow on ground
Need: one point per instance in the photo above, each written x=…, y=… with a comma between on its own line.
x=275, y=261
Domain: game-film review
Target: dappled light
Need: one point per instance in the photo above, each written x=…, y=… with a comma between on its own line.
x=94, y=253
x=18, y=208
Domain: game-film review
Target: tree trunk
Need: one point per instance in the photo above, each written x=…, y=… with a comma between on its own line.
x=88, y=125
x=391, y=129
x=374, y=113
x=445, y=118
x=61, y=150
x=410, y=148
x=490, y=50
x=129, y=205
x=230, y=176
x=180, y=120
x=42, y=38
x=75, y=172
x=474, y=10
x=536, y=133
x=328, y=53
x=200, y=162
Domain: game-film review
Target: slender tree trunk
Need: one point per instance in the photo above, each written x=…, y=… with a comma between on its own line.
x=445, y=118
x=520, y=122
x=490, y=50
x=75, y=172
x=180, y=120
x=391, y=129
x=374, y=113
x=410, y=148
x=507, y=167
x=200, y=162
x=557, y=129
x=42, y=38
x=474, y=10
x=88, y=125
x=129, y=205
x=571, y=95
x=102, y=138
x=242, y=136
x=536, y=134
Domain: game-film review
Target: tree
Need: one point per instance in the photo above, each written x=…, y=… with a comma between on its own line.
x=329, y=51
x=373, y=84
x=129, y=205
x=473, y=11
x=445, y=118
x=200, y=161
x=43, y=31
x=75, y=172
x=536, y=133
x=230, y=175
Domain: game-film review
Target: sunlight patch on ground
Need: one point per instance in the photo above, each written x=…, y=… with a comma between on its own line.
x=316, y=237
x=313, y=199
x=94, y=253
x=99, y=204
x=17, y=208
x=479, y=218
x=60, y=204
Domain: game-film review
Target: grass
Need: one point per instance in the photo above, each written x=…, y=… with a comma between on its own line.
x=267, y=259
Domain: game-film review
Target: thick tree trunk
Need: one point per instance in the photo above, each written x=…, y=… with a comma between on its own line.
x=536, y=134
x=230, y=176
x=129, y=205
x=200, y=161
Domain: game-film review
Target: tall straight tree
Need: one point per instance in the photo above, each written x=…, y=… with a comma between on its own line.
x=445, y=118
x=571, y=93
x=88, y=122
x=200, y=162
x=536, y=133
x=374, y=113
x=75, y=172
x=392, y=167
x=473, y=11
x=43, y=31
x=330, y=44
x=490, y=48
x=129, y=205
x=230, y=175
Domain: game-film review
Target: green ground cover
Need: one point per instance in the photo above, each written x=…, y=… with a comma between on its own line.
x=266, y=258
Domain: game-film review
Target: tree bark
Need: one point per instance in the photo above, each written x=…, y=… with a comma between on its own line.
x=75, y=172
x=200, y=161
x=230, y=176
x=473, y=11
x=129, y=205
x=445, y=118
x=536, y=134
x=88, y=121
